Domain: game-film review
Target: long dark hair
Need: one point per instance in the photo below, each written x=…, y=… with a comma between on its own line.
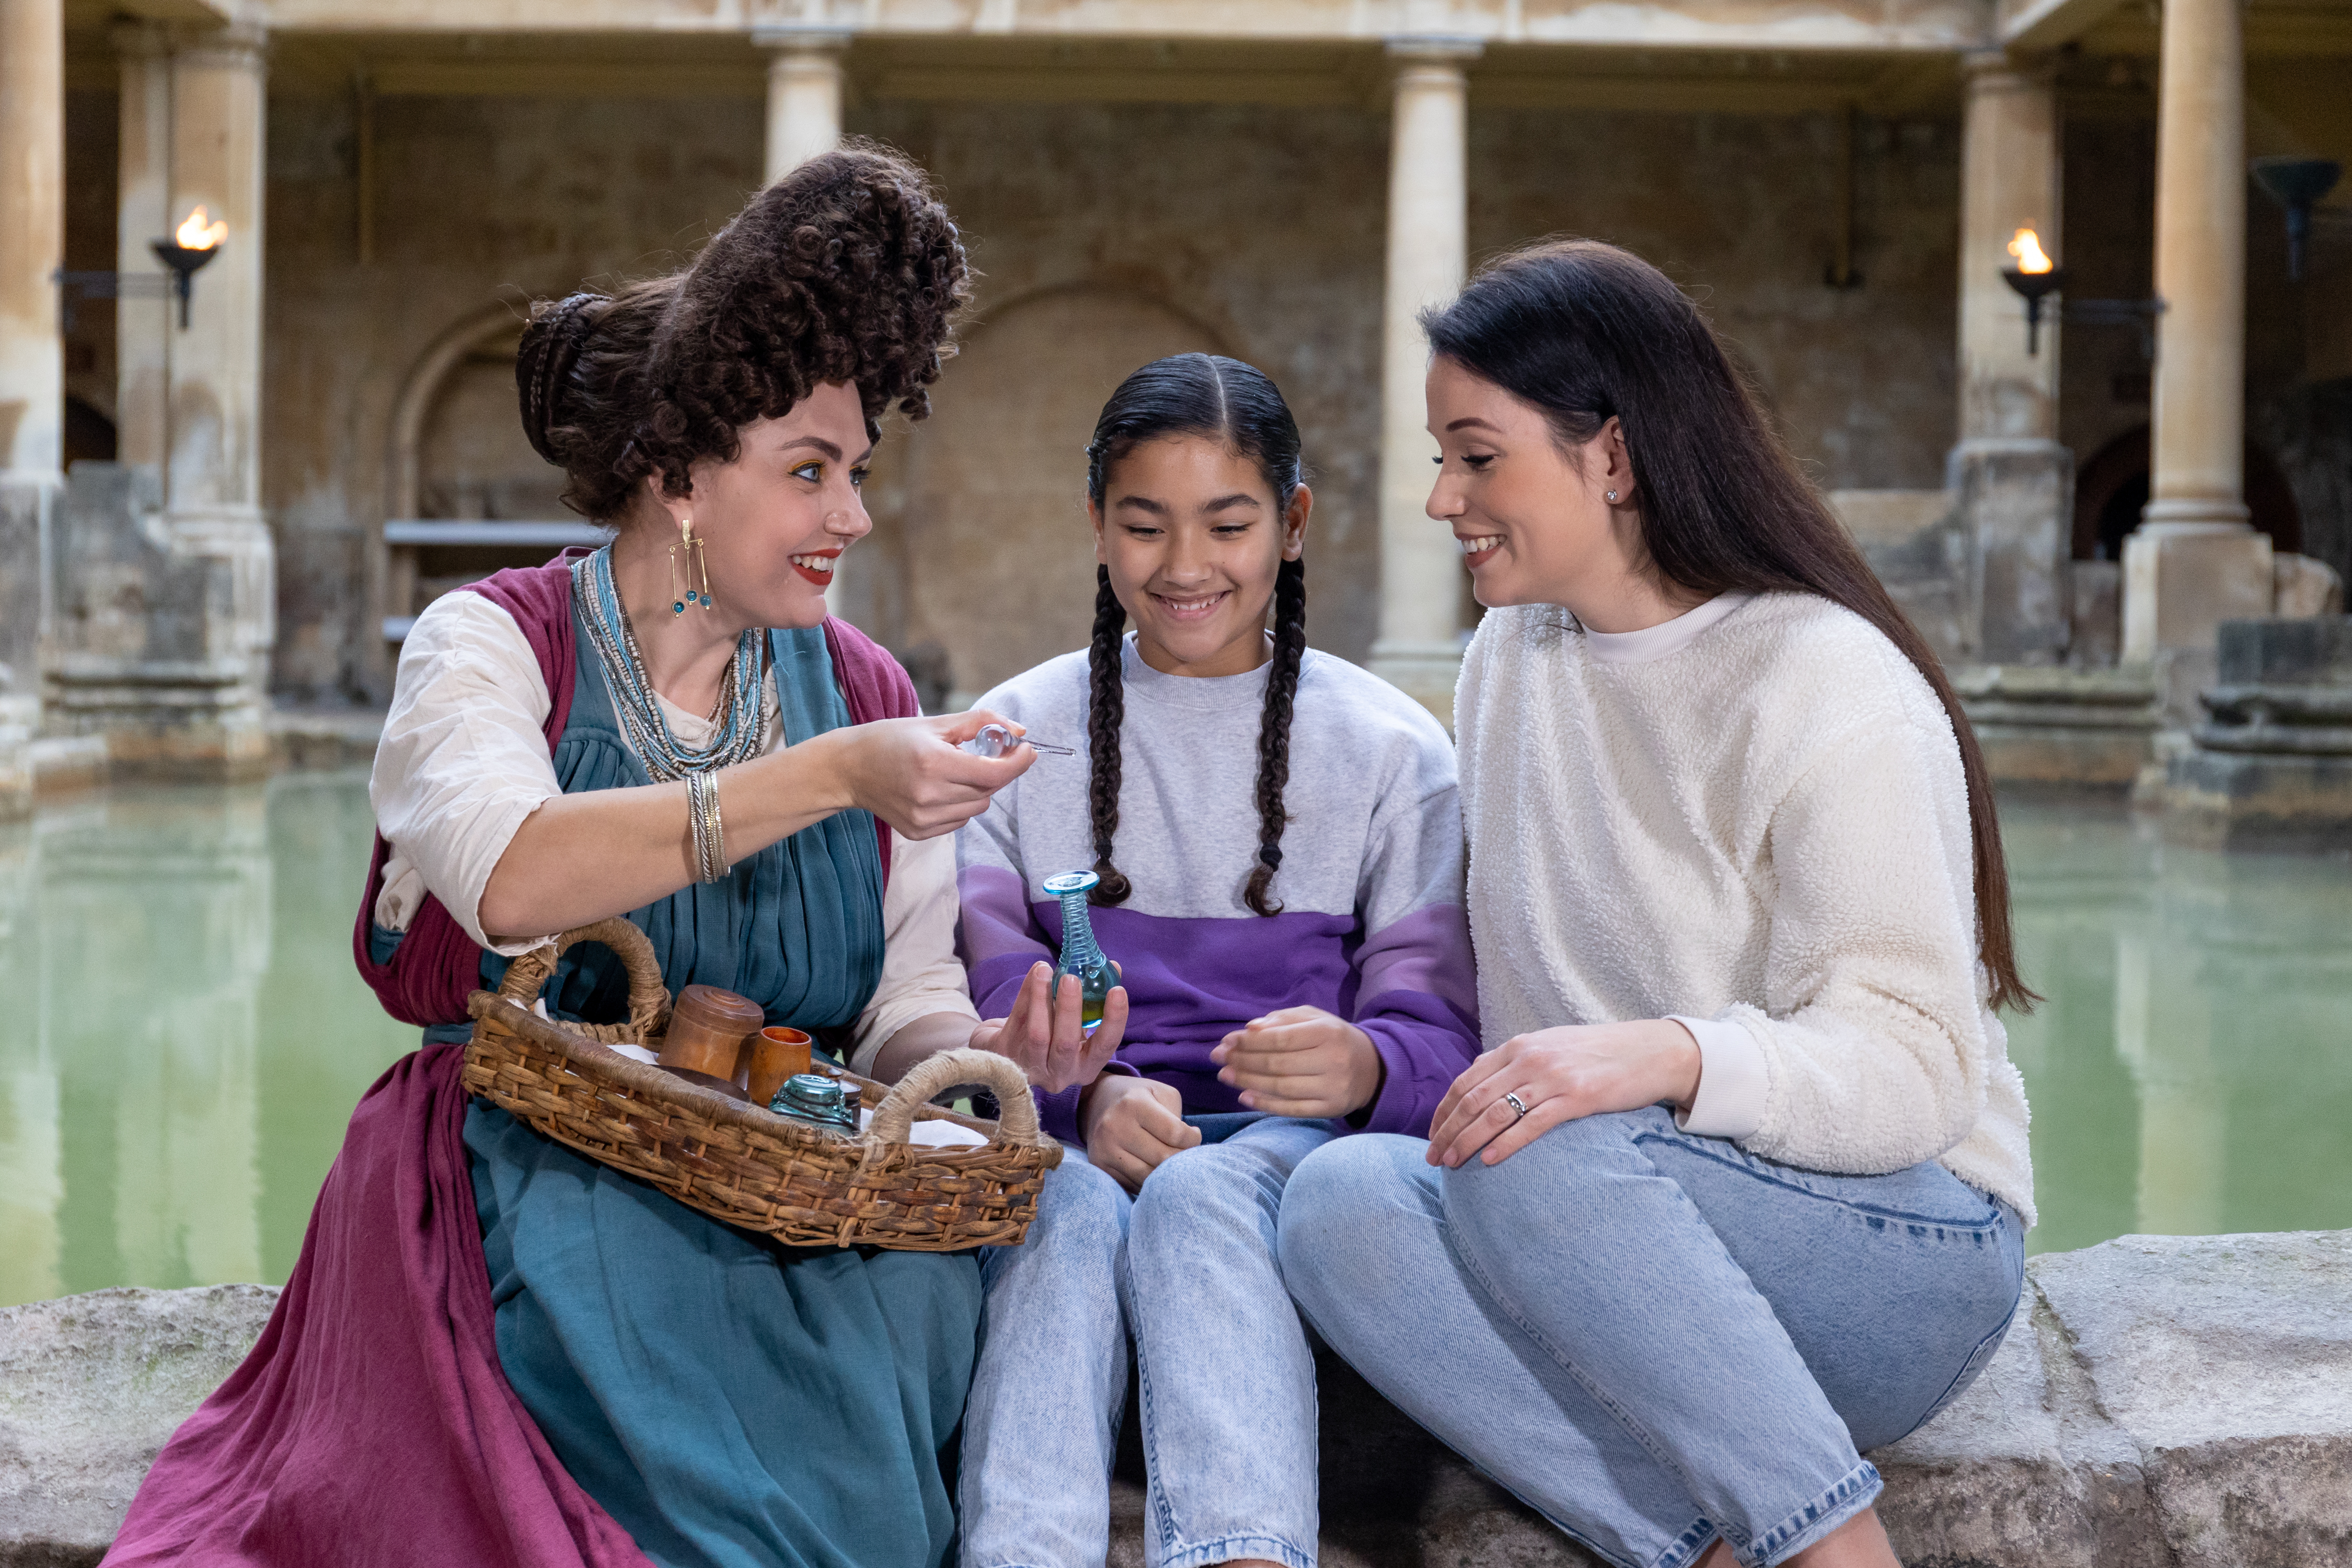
x=1585, y=332
x=1197, y=395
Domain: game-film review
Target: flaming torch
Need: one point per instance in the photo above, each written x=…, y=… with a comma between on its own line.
x=2035, y=276
x=192, y=245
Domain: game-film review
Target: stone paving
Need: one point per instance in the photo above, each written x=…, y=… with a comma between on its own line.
x=2166, y=1402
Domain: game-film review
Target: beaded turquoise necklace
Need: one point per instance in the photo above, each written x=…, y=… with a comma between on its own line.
x=742, y=699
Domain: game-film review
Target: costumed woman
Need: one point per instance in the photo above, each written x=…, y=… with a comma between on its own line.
x=1738, y=1191
x=1278, y=845
x=671, y=728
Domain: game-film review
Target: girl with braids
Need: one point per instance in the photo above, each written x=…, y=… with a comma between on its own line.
x=1739, y=1190
x=1280, y=852
x=493, y=1351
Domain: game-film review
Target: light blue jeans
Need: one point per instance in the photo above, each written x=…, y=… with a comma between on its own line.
x=1226, y=1380
x=1654, y=1339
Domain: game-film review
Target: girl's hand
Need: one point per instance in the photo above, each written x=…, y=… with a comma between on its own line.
x=1301, y=1061
x=1044, y=1034
x=1578, y=1070
x=912, y=774
x=1130, y=1124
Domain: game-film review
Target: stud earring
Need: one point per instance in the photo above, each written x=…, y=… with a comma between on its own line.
x=1612, y=497
x=685, y=562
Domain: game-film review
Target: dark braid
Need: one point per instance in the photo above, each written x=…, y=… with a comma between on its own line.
x=1274, y=731
x=1106, y=708
x=1197, y=395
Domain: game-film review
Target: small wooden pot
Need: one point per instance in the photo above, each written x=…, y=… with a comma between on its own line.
x=776, y=1054
x=708, y=1027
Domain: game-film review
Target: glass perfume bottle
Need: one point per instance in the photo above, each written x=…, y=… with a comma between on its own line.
x=1081, y=954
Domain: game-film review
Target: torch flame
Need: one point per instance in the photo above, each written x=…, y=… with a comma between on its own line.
x=2027, y=249
x=195, y=234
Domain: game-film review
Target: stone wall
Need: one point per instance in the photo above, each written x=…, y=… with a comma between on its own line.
x=2160, y=1403
x=1105, y=234
x=1110, y=232
x=478, y=200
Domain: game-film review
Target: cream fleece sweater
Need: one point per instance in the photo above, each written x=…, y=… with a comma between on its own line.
x=1752, y=818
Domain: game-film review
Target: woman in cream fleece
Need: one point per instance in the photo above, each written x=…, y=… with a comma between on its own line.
x=1739, y=1188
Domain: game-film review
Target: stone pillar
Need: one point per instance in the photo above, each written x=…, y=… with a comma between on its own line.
x=803, y=95
x=1419, y=646
x=804, y=120
x=2194, y=563
x=2014, y=482
x=144, y=215
x=177, y=682
x=32, y=361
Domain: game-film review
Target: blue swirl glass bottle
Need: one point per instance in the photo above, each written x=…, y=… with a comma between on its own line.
x=1081, y=954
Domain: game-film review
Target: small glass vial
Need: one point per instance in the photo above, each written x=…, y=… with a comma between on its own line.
x=1081, y=954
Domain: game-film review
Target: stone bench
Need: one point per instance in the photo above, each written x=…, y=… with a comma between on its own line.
x=2169, y=1402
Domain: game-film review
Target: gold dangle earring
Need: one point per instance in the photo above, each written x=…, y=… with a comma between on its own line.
x=685, y=562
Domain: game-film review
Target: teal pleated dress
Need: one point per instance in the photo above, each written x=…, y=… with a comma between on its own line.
x=732, y=1403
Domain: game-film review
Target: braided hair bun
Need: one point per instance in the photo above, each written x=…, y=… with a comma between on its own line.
x=846, y=270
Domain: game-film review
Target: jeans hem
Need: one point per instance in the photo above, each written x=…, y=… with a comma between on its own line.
x=1225, y=1549
x=1854, y=1491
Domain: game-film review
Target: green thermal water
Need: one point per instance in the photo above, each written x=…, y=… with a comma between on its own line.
x=183, y=1036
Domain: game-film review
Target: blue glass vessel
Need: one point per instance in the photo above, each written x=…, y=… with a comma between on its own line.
x=1081, y=954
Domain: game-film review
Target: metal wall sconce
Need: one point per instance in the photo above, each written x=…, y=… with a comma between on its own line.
x=2296, y=185
x=2036, y=276
x=189, y=250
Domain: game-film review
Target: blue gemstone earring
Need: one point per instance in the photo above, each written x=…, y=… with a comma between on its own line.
x=686, y=561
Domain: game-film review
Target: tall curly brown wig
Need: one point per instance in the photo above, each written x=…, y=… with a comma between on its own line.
x=848, y=268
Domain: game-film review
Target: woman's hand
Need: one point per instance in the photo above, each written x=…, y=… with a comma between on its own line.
x=912, y=774
x=1044, y=1034
x=1130, y=1124
x=1578, y=1070
x=1301, y=1061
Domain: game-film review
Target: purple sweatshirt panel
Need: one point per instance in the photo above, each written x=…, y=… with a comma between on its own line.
x=1191, y=982
x=1427, y=950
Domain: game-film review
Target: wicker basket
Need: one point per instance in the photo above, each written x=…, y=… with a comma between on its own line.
x=742, y=1163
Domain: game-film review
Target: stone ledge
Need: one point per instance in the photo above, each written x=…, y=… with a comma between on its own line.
x=324, y=737
x=2164, y=1403
x=289, y=739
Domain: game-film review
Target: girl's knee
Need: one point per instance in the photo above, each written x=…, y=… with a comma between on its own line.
x=1207, y=1183
x=1081, y=1205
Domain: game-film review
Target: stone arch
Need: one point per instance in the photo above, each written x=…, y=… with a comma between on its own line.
x=466, y=345
x=459, y=396
x=982, y=548
x=2111, y=488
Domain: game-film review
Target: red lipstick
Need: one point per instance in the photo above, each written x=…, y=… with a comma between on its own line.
x=803, y=563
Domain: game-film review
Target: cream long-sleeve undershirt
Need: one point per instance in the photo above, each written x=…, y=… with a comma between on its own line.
x=464, y=762
x=1752, y=818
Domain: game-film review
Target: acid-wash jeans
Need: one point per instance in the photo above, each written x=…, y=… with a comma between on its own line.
x=1653, y=1338
x=1226, y=1380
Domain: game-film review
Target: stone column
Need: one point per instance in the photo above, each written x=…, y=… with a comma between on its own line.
x=804, y=120
x=803, y=95
x=167, y=560
x=144, y=215
x=32, y=361
x=1419, y=647
x=2014, y=482
x=2194, y=563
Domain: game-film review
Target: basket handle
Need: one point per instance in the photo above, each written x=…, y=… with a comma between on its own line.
x=924, y=1081
x=648, y=998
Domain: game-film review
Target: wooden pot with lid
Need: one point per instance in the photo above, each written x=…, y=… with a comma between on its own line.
x=708, y=1027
